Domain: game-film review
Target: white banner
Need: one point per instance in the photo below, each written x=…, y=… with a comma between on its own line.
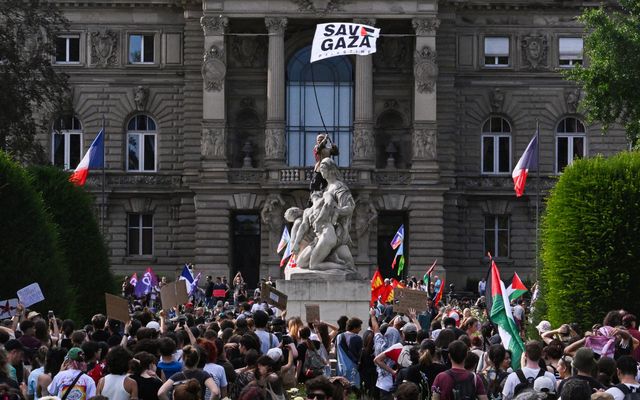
x=342, y=38
x=30, y=295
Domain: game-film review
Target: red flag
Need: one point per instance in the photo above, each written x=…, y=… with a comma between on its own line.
x=376, y=284
x=439, y=295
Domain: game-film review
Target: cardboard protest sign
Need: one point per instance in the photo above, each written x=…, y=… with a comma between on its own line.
x=404, y=299
x=182, y=293
x=173, y=294
x=8, y=308
x=274, y=297
x=343, y=38
x=312, y=312
x=117, y=307
x=30, y=295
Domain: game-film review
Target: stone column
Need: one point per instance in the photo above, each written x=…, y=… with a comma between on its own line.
x=214, y=69
x=363, y=141
x=425, y=129
x=274, y=133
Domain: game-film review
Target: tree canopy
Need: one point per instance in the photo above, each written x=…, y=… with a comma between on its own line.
x=609, y=80
x=31, y=87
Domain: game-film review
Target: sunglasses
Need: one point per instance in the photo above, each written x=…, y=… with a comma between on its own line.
x=316, y=396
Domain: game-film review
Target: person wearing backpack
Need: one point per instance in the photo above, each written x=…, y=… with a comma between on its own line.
x=524, y=377
x=457, y=383
x=584, y=364
x=628, y=388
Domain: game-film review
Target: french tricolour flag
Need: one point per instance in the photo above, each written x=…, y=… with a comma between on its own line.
x=94, y=158
x=529, y=160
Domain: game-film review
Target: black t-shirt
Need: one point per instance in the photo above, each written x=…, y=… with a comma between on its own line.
x=147, y=387
x=209, y=290
x=100, y=336
x=5, y=380
x=594, y=384
x=196, y=374
x=431, y=371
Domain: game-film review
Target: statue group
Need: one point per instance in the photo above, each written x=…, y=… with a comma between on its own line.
x=320, y=236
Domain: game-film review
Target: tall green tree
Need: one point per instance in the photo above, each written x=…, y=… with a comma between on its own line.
x=32, y=90
x=29, y=248
x=610, y=80
x=79, y=237
x=590, y=247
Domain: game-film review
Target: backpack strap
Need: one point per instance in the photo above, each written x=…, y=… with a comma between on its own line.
x=521, y=377
x=623, y=388
x=66, y=393
x=540, y=373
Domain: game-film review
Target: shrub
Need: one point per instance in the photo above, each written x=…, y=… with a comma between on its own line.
x=590, y=246
x=80, y=238
x=29, y=250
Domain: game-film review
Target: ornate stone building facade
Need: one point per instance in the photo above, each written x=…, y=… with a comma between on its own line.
x=211, y=110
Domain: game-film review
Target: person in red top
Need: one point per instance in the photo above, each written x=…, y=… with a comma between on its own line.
x=630, y=322
x=467, y=383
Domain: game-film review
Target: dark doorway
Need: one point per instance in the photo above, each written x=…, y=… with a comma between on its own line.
x=246, y=247
x=388, y=224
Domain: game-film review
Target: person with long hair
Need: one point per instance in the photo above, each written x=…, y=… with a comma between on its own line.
x=143, y=367
x=426, y=364
x=208, y=360
x=116, y=385
x=53, y=363
x=267, y=377
x=191, y=358
x=494, y=375
x=188, y=390
x=294, y=324
x=247, y=374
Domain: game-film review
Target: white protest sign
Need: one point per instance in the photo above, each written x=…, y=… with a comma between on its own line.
x=342, y=38
x=8, y=308
x=30, y=295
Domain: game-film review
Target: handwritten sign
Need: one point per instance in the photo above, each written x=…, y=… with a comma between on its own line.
x=117, y=307
x=312, y=312
x=404, y=299
x=274, y=297
x=8, y=308
x=174, y=294
x=30, y=295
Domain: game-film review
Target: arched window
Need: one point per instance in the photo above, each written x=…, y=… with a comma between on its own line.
x=333, y=93
x=141, y=144
x=66, y=142
x=496, y=146
x=571, y=142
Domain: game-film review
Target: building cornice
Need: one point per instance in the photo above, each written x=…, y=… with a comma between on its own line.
x=514, y=5
x=128, y=3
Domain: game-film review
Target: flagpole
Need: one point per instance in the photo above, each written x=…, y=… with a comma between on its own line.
x=104, y=162
x=537, y=197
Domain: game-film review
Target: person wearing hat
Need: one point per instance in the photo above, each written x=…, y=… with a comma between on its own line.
x=584, y=364
x=545, y=386
x=71, y=382
x=627, y=370
x=543, y=327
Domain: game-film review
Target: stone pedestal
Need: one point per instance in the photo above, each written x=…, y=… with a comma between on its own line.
x=336, y=298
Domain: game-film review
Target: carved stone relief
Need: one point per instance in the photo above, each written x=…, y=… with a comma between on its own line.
x=425, y=144
x=140, y=97
x=320, y=6
x=213, y=143
x=248, y=51
x=104, y=45
x=272, y=215
x=274, y=143
x=363, y=144
x=497, y=100
x=426, y=26
x=393, y=53
x=534, y=52
x=365, y=216
x=214, y=69
x=572, y=97
x=214, y=25
x=276, y=25
x=425, y=69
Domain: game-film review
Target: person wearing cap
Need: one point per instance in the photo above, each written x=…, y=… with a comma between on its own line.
x=531, y=370
x=545, y=386
x=584, y=364
x=72, y=379
x=543, y=327
x=627, y=370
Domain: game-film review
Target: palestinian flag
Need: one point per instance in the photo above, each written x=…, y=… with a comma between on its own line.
x=517, y=288
x=501, y=315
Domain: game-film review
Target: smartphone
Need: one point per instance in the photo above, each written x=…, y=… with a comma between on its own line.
x=50, y=314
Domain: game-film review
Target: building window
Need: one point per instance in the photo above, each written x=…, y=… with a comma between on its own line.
x=496, y=146
x=496, y=235
x=571, y=142
x=141, y=144
x=496, y=51
x=141, y=49
x=570, y=52
x=140, y=227
x=68, y=49
x=66, y=142
x=333, y=90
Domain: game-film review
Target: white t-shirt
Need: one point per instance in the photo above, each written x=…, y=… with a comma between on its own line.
x=518, y=312
x=618, y=394
x=513, y=380
x=83, y=389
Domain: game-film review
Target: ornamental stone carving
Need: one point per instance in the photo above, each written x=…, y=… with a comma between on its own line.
x=363, y=143
x=272, y=218
x=425, y=69
x=104, y=44
x=320, y=6
x=497, y=100
x=426, y=26
x=274, y=143
x=276, y=25
x=214, y=69
x=572, y=97
x=213, y=143
x=214, y=25
x=393, y=53
x=424, y=144
x=140, y=97
x=534, y=52
x=248, y=52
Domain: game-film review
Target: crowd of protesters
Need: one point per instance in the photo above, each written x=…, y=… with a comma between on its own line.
x=233, y=345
